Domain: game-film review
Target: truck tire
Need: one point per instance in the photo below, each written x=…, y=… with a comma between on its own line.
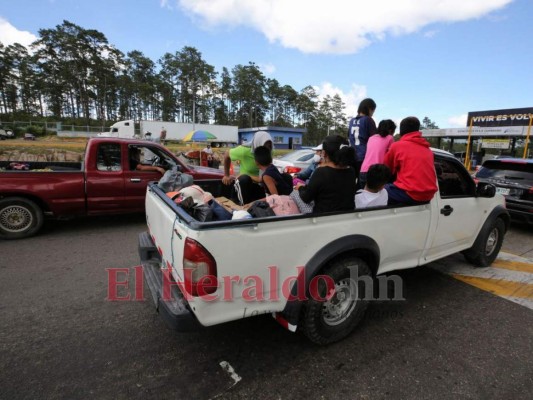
x=19, y=218
x=487, y=245
x=329, y=321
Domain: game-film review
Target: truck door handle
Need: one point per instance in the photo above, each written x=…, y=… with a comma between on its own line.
x=447, y=210
x=135, y=179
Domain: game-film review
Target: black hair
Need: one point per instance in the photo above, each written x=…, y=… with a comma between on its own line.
x=377, y=176
x=365, y=106
x=263, y=156
x=408, y=125
x=338, y=150
x=386, y=127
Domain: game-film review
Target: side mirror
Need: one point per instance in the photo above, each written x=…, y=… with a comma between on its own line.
x=485, y=189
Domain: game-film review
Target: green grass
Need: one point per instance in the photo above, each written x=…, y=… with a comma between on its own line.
x=51, y=148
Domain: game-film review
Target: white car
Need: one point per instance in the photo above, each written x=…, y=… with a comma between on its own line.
x=298, y=159
x=6, y=134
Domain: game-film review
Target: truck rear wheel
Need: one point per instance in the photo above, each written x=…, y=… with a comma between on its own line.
x=328, y=321
x=487, y=245
x=19, y=218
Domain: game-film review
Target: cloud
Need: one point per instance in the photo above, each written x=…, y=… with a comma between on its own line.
x=165, y=4
x=351, y=99
x=430, y=34
x=458, y=121
x=9, y=34
x=268, y=68
x=336, y=26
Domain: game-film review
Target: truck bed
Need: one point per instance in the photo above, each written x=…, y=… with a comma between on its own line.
x=51, y=166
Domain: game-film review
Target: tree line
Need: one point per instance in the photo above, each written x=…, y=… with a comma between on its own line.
x=74, y=74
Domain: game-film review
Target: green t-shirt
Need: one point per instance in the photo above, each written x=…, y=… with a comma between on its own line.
x=246, y=157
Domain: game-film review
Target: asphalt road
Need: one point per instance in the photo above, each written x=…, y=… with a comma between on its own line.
x=61, y=339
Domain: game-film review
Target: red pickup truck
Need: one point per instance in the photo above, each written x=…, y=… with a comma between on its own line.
x=105, y=183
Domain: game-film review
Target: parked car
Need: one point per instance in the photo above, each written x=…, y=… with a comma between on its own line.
x=298, y=159
x=6, y=133
x=513, y=178
x=29, y=136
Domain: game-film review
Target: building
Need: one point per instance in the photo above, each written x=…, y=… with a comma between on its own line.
x=492, y=129
x=284, y=138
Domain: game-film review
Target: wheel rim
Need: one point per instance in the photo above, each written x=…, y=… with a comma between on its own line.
x=492, y=241
x=15, y=218
x=339, y=307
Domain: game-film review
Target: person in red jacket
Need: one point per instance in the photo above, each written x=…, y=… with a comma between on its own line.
x=411, y=160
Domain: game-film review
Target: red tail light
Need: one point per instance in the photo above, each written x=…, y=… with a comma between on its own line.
x=200, y=269
x=292, y=170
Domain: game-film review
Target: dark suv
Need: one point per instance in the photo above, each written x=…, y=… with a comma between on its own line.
x=513, y=177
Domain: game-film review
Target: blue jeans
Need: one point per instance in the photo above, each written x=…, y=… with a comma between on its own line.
x=398, y=196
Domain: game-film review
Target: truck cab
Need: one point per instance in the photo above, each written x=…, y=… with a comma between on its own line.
x=121, y=129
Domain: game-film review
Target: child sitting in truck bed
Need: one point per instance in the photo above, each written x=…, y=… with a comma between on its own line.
x=374, y=194
x=274, y=182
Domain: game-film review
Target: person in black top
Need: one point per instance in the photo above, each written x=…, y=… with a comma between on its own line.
x=332, y=186
x=273, y=181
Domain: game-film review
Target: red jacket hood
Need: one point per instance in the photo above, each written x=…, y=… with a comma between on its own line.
x=415, y=137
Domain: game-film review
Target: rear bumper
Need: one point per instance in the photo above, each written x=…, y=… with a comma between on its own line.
x=520, y=211
x=175, y=311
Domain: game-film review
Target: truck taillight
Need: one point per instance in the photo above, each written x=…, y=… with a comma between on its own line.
x=200, y=269
x=292, y=170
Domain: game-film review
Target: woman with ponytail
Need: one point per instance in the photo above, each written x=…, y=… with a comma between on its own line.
x=376, y=148
x=332, y=186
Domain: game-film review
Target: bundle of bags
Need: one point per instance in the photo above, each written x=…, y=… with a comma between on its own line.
x=174, y=180
x=199, y=204
x=203, y=207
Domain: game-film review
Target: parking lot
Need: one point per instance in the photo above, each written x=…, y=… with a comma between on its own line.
x=61, y=338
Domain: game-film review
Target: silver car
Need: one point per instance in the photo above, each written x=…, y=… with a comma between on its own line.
x=299, y=159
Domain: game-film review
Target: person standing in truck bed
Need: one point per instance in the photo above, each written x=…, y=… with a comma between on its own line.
x=360, y=129
x=376, y=148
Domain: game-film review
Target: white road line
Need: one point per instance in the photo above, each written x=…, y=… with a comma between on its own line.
x=512, y=257
x=523, y=302
x=505, y=282
x=229, y=369
x=489, y=273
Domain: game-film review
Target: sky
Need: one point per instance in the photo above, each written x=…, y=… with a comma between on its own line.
x=434, y=58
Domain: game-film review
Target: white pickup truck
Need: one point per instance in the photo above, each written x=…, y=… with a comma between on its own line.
x=313, y=272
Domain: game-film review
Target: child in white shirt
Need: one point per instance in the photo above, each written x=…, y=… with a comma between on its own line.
x=374, y=194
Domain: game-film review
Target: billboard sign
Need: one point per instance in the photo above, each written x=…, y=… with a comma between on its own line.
x=502, y=144
x=476, y=131
x=506, y=117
